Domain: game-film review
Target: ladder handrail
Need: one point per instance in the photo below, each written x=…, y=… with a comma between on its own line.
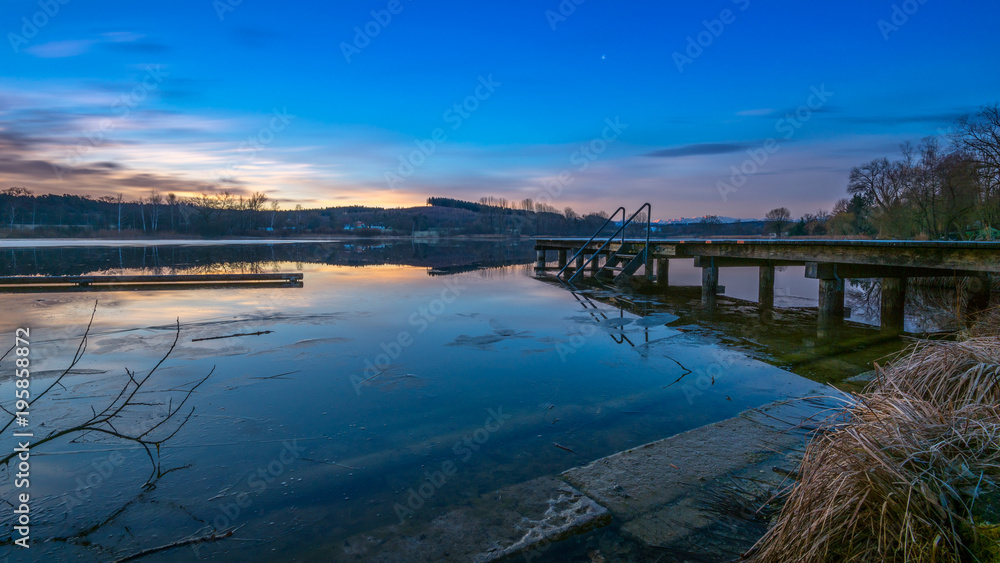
x=584, y=247
x=621, y=229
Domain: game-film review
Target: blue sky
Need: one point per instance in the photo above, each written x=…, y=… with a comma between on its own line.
x=591, y=104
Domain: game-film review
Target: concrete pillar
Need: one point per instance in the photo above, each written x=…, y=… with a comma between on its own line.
x=579, y=261
x=540, y=261
x=765, y=289
x=562, y=259
x=663, y=272
x=831, y=302
x=595, y=264
x=974, y=296
x=709, y=281
x=893, y=304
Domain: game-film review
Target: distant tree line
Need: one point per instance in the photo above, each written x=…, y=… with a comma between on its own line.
x=498, y=215
x=945, y=187
x=223, y=213
x=231, y=214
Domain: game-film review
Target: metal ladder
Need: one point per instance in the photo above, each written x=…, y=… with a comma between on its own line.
x=632, y=254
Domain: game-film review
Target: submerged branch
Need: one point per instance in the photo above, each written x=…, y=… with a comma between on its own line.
x=108, y=420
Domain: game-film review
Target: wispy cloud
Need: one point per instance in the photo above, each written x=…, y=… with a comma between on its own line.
x=61, y=49
x=699, y=150
x=121, y=41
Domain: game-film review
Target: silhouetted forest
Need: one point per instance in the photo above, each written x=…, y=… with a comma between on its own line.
x=225, y=214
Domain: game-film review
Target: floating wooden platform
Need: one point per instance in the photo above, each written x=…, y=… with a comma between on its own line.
x=158, y=280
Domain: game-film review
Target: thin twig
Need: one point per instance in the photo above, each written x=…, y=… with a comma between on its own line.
x=203, y=539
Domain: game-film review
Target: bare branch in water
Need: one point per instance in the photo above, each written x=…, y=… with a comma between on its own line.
x=104, y=421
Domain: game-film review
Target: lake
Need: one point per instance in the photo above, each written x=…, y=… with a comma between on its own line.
x=330, y=404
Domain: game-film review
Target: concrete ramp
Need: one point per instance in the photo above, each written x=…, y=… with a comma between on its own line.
x=661, y=491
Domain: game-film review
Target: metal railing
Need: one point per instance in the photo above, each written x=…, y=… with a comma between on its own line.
x=625, y=224
x=584, y=247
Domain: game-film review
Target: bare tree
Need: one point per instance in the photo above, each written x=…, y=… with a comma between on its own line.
x=12, y=195
x=777, y=218
x=878, y=182
x=120, y=201
x=979, y=137
x=155, y=200
x=172, y=205
x=275, y=207
x=252, y=207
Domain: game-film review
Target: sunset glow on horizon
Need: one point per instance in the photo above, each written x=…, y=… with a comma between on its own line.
x=728, y=108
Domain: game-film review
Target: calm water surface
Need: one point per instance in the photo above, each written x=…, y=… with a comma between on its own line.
x=393, y=359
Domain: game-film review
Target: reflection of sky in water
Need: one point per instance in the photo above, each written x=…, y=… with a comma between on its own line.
x=564, y=373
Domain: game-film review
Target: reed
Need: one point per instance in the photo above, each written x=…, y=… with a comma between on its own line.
x=899, y=479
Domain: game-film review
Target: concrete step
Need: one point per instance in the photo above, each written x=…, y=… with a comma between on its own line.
x=660, y=491
x=522, y=519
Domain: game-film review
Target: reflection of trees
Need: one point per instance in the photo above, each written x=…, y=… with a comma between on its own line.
x=933, y=303
x=243, y=258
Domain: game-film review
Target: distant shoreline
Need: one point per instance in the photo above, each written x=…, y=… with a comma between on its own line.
x=77, y=241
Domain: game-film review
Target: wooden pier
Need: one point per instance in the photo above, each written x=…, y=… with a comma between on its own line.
x=55, y=283
x=829, y=261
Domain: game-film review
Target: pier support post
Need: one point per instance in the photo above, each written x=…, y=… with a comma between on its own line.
x=974, y=296
x=765, y=289
x=893, y=304
x=579, y=261
x=709, y=281
x=562, y=259
x=595, y=264
x=831, y=302
x=662, y=272
x=540, y=260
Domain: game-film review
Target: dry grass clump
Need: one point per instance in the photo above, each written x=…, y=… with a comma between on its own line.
x=894, y=484
x=899, y=480
x=949, y=374
x=987, y=322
